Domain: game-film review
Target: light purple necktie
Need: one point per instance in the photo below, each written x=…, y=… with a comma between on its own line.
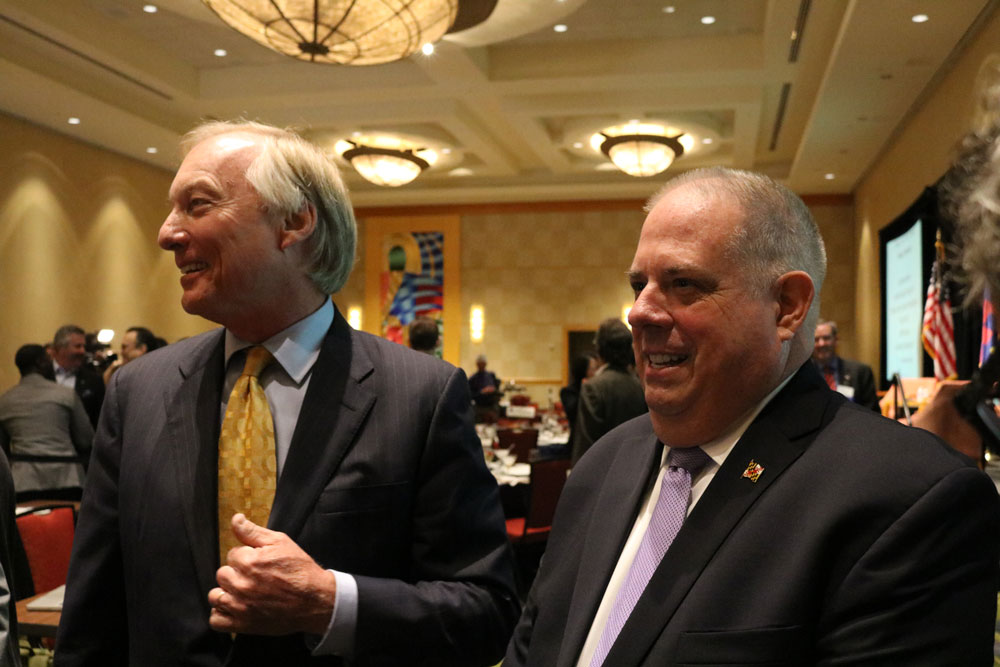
x=668, y=515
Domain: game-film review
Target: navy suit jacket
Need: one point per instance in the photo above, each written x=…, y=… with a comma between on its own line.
x=384, y=480
x=863, y=541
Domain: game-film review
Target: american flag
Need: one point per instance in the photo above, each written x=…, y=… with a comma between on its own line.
x=939, y=331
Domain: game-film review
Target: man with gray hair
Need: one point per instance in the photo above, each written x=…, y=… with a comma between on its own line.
x=285, y=490
x=755, y=516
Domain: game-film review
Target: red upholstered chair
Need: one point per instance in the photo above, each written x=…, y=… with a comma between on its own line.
x=547, y=480
x=519, y=440
x=47, y=535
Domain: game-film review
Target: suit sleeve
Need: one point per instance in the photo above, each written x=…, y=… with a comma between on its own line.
x=80, y=430
x=93, y=628
x=865, y=394
x=591, y=421
x=925, y=591
x=461, y=605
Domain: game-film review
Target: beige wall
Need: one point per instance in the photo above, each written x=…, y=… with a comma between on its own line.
x=919, y=156
x=78, y=242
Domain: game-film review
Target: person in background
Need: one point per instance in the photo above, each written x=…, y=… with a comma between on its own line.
x=853, y=379
x=136, y=342
x=423, y=334
x=69, y=354
x=484, y=386
x=755, y=516
x=582, y=369
x=284, y=490
x=613, y=395
x=46, y=431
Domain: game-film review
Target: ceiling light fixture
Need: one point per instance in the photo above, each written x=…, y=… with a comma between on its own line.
x=708, y=20
x=560, y=27
x=73, y=120
x=669, y=9
x=427, y=49
x=150, y=9
x=829, y=177
x=152, y=150
x=347, y=32
x=222, y=53
x=642, y=149
x=391, y=167
x=920, y=18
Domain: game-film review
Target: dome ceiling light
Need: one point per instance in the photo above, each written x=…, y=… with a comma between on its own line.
x=386, y=158
x=642, y=149
x=348, y=32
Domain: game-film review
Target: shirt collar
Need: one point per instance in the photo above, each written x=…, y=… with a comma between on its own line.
x=59, y=370
x=295, y=348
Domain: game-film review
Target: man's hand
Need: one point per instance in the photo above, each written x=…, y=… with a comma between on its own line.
x=270, y=586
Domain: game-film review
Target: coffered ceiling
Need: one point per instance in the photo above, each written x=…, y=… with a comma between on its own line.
x=798, y=89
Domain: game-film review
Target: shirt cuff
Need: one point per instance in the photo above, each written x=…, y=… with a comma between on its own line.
x=339, y=637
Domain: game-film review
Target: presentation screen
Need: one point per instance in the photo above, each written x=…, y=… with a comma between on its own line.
x=906, y=251
x=903, y=303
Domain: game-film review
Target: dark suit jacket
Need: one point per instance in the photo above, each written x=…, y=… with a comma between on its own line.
x=859, y=376
x=384, y=479
x=608, y=399
x=863, y=541
x=90, y=388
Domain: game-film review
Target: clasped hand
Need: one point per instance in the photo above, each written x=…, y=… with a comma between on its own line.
x=270, y=586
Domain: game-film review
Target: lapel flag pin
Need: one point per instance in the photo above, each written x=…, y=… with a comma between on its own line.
x=753, y=471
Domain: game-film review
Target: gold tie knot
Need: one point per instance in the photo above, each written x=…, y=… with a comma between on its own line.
x=258, y=358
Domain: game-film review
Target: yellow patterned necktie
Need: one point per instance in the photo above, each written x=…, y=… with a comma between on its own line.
x=247, y=463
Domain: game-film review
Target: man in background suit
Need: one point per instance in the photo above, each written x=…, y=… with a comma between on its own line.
x=69, y=352
x=385, y=543
x=853, y=379
x=808, y=530
x=613, y=395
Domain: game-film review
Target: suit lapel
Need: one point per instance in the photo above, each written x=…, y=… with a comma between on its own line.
x=611, y=521
x=775, y=439
x=334, y=407
x=192, y=438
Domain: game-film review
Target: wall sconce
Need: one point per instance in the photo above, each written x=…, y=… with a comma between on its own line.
x=354, y=317
x=476, y=324
x=626, y=309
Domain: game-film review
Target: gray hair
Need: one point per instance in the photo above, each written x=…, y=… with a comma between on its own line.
x=778, y=233
x=63, y=333
x=828, y=323
x=971, y=197
x=289, y=174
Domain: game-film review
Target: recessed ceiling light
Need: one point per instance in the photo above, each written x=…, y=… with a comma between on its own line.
x=446, y=151
x=222, y=53
x=150, y=9
x=355, y=134
x=577, y=144
x=151, y=150
x=829, y=177
x=461, y=171
x=706, y=140
x=708, y=20
x=427, y=49
x=560, y=27
x=669, y=9
x=73, y=120
x=920, y=18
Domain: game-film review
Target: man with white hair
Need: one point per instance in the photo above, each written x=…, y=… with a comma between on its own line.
x=754, y=516
x=285, y=490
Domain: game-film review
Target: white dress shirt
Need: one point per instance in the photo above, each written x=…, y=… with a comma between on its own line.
x=285, y=382
x=717, y=451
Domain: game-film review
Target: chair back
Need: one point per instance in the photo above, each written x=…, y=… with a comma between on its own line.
x=47, y=535
x=548, y=476
x=519, y=440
